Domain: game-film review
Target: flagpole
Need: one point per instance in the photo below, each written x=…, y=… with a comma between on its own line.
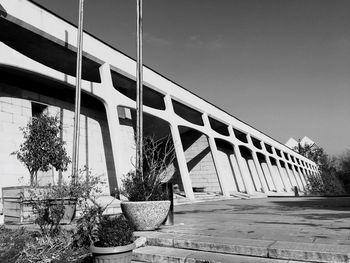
x=76, y=131
x=139, y=87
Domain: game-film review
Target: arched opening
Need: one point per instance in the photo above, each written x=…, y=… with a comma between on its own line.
x=298, y=178
x=251, y=174
x=292, y=177
x=240, y=135
x=48, y=50
x=278, y=152
x=154, y=127
x=277, y=176
x=229, y=165
x=256, y=143
x=219, y=127
x=199, y=160
x=287, y=180
x=187, y=113
x=268, y=148
x=26, y=93
x=268, y=177
x=127, y=87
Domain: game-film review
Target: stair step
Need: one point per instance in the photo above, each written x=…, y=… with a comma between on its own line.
x=177, y=255
x=308, y=252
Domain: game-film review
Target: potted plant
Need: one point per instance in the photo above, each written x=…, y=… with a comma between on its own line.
x=114, y=240
x=56, y=205
x=41, y=150
x=110, y=238
x=148, y=201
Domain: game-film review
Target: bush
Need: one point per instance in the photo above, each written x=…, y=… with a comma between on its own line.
x=49, y=203
x=114, y=231
x=157, y=159
x=85, y=234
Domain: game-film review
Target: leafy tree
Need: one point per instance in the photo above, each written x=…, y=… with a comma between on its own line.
x=343, y=169
x=328, y=181
x=42, y=147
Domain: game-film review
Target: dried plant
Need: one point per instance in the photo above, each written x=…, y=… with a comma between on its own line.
x=158, y=156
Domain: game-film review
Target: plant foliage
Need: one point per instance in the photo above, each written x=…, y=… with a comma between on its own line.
x=49, y=203
x=42, y=146
x=327, y=182
x=148, y=186
x=114, y=231
x=85, y=234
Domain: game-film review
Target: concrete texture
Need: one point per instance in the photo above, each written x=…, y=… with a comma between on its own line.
x=305, y=229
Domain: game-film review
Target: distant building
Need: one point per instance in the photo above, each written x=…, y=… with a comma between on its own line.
x=214, y=149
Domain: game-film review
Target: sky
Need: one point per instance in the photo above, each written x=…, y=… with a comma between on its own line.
x=281, y=66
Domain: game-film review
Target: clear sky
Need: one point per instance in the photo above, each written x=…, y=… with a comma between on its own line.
x=282, y=66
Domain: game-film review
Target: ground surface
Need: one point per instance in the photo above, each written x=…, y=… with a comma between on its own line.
x=324, y=223
x=302, y=219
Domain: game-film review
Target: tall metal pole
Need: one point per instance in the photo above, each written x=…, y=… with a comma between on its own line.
x=139, y=94
x=77, y=95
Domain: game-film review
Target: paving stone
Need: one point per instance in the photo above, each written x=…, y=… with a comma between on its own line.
x=310, y=252
x=175, y=255
x=223, y=244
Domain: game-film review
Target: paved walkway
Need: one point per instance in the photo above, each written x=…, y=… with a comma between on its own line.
x=302, y=219
x=299, y=229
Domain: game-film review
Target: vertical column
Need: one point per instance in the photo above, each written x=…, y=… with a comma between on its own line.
x=296, y=177
x=307, y=175
x=179, y=151
x=269, y=166
x=258, y=167
x=274, y=175
x=214, y=152
x=260, y=172
x=281, y=175
x=248, y=187
x=289, y=176
x=112, y=117
x=302, y=177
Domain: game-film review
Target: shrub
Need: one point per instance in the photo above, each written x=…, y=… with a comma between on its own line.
x=148, y=186
x=49, y=203
x=114, y=231
x=85, y=234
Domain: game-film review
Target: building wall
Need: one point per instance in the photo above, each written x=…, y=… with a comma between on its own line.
x=16, y=112
x=200, y=162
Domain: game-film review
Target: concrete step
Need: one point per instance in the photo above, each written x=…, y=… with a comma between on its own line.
x=200, y=197
x=177, y=255
x=282, y=250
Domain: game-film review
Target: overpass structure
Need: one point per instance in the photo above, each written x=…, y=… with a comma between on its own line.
x=214, y=150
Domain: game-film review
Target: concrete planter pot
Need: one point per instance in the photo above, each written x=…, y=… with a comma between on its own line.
x=18, y=206
x=69, y=205
x=121, y=254
x=146, y=215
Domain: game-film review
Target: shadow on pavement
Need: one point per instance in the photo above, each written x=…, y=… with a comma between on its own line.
x=327, y=203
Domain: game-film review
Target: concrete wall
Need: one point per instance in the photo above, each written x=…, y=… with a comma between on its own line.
x=16, y=112
x=109, y=137
x=200, y=162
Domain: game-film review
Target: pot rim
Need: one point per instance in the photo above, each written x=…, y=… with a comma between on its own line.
x=142, y=202
x=110, y=250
